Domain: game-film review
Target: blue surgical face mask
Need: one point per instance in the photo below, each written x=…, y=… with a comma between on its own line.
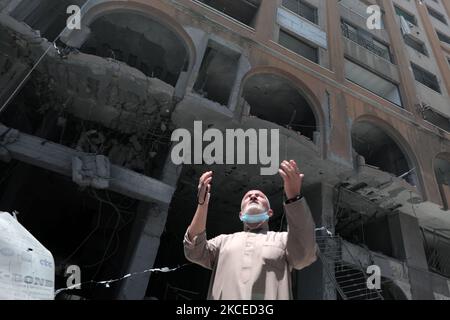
x=255, y=218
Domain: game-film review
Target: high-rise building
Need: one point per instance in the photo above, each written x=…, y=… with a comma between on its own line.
x=91, y=91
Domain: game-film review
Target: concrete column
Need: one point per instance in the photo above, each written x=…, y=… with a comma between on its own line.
x=266, y=20
x=243, y=67
x=335, y=46
x=338, y=142
x=200, y=40
x=180, y=87
x=143, y=248
x=145, y=239
x=337, y=138
x=313, y=283
x=407, y=244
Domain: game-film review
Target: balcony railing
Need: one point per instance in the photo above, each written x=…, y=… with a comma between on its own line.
x=364, y=42
x=437, y=250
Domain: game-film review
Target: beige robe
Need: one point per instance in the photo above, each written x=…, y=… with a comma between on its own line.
x=256, y=264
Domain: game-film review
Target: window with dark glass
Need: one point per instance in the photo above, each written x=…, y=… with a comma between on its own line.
x=298, y=46
x=443, y=37
x=244, y=11
x=426, y=78
x=303, y=9
x=416, y=44
x=372, y=82
x=408, y=17
x=437, y=15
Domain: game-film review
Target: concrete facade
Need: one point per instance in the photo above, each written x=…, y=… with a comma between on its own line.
x=364, y=156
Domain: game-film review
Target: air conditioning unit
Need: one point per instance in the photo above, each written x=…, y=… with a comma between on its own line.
x=405, y=26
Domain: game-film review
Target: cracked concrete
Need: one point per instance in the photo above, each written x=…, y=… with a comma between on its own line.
x=122, y=98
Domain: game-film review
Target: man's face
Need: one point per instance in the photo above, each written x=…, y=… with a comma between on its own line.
x=255, y=202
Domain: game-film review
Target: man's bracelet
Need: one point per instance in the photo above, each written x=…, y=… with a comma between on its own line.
x=296, y=198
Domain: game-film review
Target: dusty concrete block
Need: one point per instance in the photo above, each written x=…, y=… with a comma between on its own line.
x=91, y=171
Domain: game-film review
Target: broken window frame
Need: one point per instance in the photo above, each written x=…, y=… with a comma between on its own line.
x=312, y=56
x=201, y=81
x=411, y=18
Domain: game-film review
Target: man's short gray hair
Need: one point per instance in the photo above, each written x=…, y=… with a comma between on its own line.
x=267, y=199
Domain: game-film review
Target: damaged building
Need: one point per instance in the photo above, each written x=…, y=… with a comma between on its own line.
x=87, y=115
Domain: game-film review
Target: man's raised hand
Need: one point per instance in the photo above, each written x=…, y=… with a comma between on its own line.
x=204, y=188
x=292, y=178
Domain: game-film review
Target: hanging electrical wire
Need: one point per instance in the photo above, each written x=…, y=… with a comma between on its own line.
x=107, y=283
x=36, y=64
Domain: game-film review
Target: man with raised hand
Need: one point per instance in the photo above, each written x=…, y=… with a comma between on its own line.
x=254, y=264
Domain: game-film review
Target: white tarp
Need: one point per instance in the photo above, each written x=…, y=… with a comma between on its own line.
x=27, y=268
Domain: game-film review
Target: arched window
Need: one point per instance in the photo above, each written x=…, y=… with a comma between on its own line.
x=381, y=150
x=141, y=42
x=275, y=99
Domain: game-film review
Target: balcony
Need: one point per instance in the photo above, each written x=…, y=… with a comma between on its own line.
x=244, y=11
x=364, y=42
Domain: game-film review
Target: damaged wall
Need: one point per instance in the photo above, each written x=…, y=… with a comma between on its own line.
x=144, y=69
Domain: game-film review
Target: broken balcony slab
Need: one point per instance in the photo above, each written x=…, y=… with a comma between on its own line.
x=95, y=89
x=102, y=90
x=391, y=268
x=292, y=145
x=57, y=158
x=376, y=178
x=387, y=192
x=91, y=170
x=348, y=199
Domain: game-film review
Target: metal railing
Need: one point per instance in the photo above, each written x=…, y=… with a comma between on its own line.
x=349, y=279
x=364, y=42
x=437, y=251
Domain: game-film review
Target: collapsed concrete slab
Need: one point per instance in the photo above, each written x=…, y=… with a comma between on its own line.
x=58, y=158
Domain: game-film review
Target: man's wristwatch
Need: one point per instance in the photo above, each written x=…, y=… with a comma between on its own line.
x=296, y=198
